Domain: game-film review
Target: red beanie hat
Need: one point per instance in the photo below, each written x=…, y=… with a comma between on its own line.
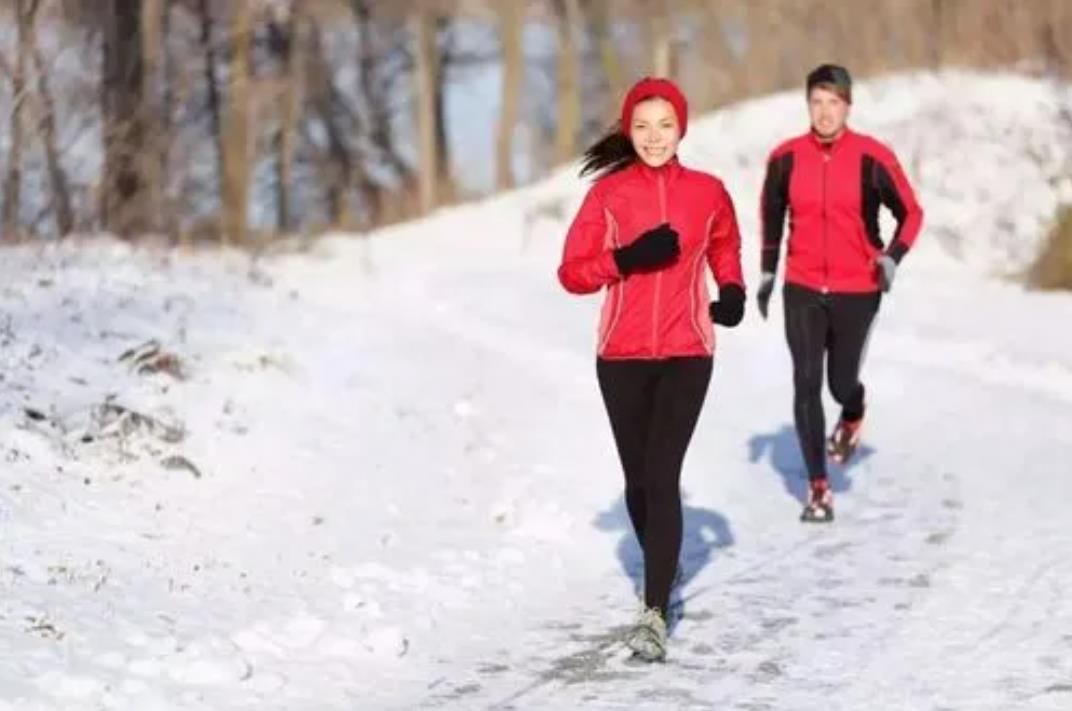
x=650, y=88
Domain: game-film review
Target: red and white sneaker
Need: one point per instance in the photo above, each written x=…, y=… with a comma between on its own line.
x=820, y=506
x=844, y=440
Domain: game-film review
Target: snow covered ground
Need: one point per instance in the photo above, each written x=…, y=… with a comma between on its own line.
x=376, y=473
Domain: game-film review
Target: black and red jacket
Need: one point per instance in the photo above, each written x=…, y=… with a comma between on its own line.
x=832, y=192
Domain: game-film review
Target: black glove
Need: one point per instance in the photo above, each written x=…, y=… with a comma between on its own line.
x=766, y=288
x=655, y=248
x=887, y=270
x=729, y=309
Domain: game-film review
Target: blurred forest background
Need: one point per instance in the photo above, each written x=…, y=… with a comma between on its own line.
x=240, y=121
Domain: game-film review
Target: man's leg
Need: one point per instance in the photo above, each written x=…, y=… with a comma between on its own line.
x=806, y=327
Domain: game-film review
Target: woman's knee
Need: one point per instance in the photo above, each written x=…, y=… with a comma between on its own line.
x=664, y=487
x=808, y=382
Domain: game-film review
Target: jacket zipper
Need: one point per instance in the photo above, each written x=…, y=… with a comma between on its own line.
x=659, y=274
x=826, y=249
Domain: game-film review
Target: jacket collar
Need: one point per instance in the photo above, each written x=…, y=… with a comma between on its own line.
x=669, y=170
x=832, y=146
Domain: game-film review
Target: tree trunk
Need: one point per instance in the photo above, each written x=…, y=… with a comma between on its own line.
x=511, y=27
x=379, y=128
x=152, y=109
x=662, y=41
x=444, y=177
x=293, y=68
x=1058, y=33
x=212, y=83
x=57, y=177
x=608, y=54
x=569, y=86
x=425, y=70
x=25, y=10
x=237, y=130
x=341, y=171
x=762, y=56
x=720, y=81
x=174, y=94
x=125, y=207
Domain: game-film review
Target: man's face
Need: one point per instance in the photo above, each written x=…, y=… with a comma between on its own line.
x=828, y=111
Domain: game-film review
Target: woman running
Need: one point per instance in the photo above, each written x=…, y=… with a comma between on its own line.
x=647, y=227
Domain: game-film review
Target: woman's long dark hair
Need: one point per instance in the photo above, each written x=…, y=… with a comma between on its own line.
x=609, y=154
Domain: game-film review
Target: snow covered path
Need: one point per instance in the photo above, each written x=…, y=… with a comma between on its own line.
x=405, y=495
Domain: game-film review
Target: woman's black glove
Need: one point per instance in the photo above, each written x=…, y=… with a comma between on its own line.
x=729, y=309
x=655, y=248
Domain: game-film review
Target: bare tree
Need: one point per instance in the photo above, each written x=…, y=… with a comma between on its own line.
x=154, y=118
x=289, y=45
x=663, y=61
x=568, y=85
x=601, y=19
x=25, y=11
x=720, y=66
x=1056, y=34
x=212, y=83
x=125, y=190
x=57, y=176
x=423, y=24
x=374, y=91
x=511, y=26
x=339, y=168
x=238, y=128
x=445, y=57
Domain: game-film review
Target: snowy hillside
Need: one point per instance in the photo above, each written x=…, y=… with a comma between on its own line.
x=376, y=474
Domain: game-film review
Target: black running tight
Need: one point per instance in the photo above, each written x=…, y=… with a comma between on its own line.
x=653, y=408
x=834, y=326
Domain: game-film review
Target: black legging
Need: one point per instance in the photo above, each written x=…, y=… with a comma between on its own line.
x=653, y=408
x=837, y=326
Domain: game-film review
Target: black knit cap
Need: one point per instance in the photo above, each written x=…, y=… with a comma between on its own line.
x=834, y=75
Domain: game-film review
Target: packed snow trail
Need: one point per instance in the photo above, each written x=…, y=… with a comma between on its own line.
x=406, y=494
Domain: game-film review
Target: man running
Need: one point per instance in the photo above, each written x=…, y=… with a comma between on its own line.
x=832, y=181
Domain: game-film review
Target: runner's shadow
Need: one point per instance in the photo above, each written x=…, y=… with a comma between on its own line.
x=704, y=531
x=782, y=449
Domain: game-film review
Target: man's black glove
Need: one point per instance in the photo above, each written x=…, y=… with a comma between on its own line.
x=729, y=309
x=655, y=248
x=766, y=288
x=887, y=270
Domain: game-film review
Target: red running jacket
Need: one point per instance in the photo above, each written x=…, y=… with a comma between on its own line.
x=833, y=192
x=658, y=314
